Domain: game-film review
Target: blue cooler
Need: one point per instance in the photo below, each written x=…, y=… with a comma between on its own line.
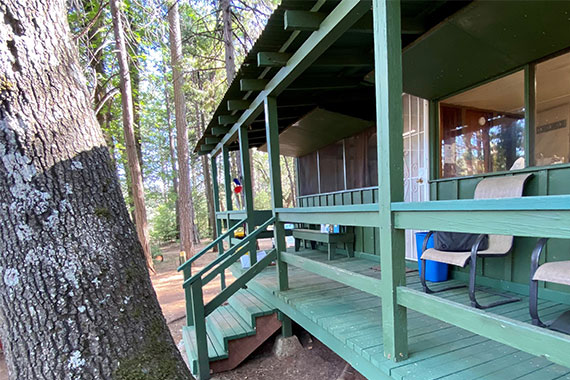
x=435, y=272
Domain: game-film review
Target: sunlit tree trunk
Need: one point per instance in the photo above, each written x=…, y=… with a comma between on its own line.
x=128, y=127
x=184, y=190
x=76, y=301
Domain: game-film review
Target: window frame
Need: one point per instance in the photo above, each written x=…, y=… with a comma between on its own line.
x=529, y=73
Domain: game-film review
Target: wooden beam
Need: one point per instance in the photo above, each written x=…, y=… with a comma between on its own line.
x=272, y=134
x=303, y=20
x=521, y=335
x=390, y=126
x=227, y=119
x=337, y=22
x=272, y=59
x=212, y=140
x=227, y=179
x=203, y=153
x=354, y=215
x=217, y=131
x=207, y=147
x=247, y=189
x=358, y=281
x=544, y=216
x=253, y=84
x=238, y=104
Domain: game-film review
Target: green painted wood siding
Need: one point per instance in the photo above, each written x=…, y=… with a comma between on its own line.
x=552, y=180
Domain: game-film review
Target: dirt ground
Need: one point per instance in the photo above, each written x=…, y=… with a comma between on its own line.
x=314, y=362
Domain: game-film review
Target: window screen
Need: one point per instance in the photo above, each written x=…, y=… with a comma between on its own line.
x=308, y=175
x=361, y=160
x=331, y=167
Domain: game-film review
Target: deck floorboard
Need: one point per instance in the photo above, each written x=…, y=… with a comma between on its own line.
x=437, y=350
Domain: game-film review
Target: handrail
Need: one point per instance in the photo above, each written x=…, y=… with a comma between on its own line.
x=212, y=244
x=240, y=282
x=229, y=254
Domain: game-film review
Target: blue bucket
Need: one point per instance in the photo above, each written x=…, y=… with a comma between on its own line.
x=435, y=272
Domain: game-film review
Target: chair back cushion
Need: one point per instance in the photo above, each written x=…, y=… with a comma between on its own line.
x=501, y=187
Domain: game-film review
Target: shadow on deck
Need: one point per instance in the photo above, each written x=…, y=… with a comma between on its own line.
x=349, y=322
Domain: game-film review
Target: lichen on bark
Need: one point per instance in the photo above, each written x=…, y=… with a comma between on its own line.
x=73, y=279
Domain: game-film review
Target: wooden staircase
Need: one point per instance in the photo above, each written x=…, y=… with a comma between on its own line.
x=234, y=331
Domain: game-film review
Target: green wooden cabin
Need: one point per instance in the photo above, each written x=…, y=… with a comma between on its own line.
x=395, y=111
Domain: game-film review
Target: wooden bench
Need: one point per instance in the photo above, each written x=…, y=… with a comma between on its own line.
x=331, y=239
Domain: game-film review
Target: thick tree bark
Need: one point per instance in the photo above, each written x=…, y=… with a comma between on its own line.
x=172, y=153
x=128, y=127
x=184, y=190
x=228, y=40
x=76, y=301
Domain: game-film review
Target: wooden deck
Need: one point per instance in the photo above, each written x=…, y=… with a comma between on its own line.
x=349, y=322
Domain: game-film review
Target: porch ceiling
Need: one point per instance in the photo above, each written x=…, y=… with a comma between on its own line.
x=447, y=46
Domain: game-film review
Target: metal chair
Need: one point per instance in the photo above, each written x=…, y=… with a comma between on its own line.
x=499, y=245
x=555, y=271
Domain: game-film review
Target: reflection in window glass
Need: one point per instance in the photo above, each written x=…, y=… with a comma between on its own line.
x=482, y=130
x=552, y=130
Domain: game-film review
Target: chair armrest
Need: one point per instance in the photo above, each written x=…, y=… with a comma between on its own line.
x=425, y=243
x=534, y=259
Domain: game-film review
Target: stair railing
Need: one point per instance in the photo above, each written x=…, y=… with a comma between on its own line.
x=197, y=311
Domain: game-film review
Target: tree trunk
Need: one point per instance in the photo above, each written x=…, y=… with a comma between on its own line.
x=128, y=127
x=172, y=153
x=291, y=178
x=184, y=190
x=228, y=40
x=76, y=300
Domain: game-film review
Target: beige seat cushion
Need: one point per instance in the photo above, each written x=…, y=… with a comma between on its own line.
x=556, y=271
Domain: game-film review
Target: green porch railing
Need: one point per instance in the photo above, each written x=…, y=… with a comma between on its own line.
x=186, y=267
x=193, y=287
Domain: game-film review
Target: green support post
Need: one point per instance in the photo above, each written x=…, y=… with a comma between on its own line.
x=188, y=296
x=216, y=198
x=434, y=152
x=247, y=189
x=388, y=73
x=228, y=186
x=200, y=328
x=272, y=133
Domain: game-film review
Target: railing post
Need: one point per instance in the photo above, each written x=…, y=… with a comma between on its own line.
x=388, y=82
x=218, y=227
x=200, y=329
x=187, y=271
x=247, y=189
x=272, y=133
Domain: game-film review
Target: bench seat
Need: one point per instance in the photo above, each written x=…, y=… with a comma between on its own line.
x=331, y=239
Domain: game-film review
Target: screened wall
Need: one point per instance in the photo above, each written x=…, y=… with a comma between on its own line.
x=347, y=164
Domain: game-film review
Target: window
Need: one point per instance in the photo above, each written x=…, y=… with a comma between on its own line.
x=482, y=129
x=552, y=120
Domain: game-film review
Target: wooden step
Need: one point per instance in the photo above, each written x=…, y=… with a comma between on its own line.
x=234, y=331
x=215, y=350
x=226, y=324
x=249, y=306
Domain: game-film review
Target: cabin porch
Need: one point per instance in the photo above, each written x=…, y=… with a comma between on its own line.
x=349, y=321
